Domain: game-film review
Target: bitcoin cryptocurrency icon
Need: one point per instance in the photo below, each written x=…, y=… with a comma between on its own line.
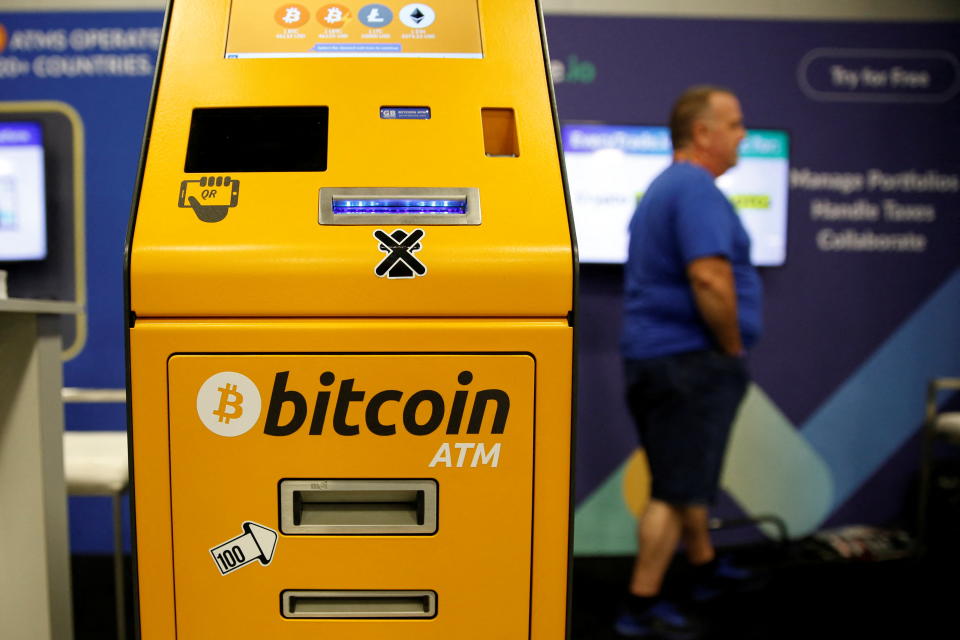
x=334, y=16
x=292, y=16
x=231, y=403
x=228, y=404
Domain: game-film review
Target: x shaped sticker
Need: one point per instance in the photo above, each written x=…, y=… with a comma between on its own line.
x=400, y=247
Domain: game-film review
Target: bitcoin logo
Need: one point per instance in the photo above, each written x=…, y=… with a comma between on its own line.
x=230, y=399
x=292, y=16
x=334, y=16
x=228, y=404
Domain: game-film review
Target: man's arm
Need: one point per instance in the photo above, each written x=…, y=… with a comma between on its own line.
x=715, y=294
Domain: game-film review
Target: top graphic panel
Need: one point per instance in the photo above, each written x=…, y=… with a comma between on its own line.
x=438, y=29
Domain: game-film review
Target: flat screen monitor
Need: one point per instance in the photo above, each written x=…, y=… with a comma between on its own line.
x=435, y=29
x=609, y=167
x=23, y=211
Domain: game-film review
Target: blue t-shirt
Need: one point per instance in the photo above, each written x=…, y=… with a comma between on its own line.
x=683, y=216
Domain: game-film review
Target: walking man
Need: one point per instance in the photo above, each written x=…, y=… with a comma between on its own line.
x=692, y=309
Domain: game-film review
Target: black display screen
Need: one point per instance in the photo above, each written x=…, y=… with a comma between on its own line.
x=260, y=139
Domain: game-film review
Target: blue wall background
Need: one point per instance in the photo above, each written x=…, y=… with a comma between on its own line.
x=829, y=436
x=829, y=432
x=101, y=63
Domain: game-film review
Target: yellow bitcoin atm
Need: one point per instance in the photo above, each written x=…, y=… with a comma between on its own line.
x=350, y=300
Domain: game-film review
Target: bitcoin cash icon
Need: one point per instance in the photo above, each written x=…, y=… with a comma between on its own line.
x=292, y=16
x=228, y=404
x=334, y=16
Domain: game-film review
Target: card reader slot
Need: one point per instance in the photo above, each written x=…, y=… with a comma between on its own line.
x=400, y=206
x=371, y=507
x=377, y=206
x=358, y=604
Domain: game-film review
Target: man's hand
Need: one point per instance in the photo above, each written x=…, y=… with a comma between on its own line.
x=715, y=294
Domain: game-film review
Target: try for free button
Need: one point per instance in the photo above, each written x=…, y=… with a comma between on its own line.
x=879, y=75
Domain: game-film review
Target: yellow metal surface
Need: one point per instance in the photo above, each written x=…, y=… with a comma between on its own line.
x=268, y=290
x=212, y=496
x=270, y=257
x=498, y=559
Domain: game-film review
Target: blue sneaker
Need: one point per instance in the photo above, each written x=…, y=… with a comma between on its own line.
x=662, y=620
x=725, y=578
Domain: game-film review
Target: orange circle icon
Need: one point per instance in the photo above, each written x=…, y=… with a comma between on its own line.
x=292, y=16
x=334, y=16
x=3, y=38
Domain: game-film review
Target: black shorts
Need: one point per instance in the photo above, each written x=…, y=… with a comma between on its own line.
x=684, y=406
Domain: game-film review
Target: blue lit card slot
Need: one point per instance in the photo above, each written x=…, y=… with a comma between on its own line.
x=399, y=205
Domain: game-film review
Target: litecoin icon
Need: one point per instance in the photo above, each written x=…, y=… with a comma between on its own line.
x=376, y=16
x=228, y=404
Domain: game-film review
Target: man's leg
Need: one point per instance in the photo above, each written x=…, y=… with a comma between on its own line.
x=646, y=614
x=696, y=534
x=658, y=405
x=658, y=534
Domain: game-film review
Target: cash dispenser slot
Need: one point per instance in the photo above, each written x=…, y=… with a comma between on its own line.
x=358, y=604
x=358, y=507
x=383, y=205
